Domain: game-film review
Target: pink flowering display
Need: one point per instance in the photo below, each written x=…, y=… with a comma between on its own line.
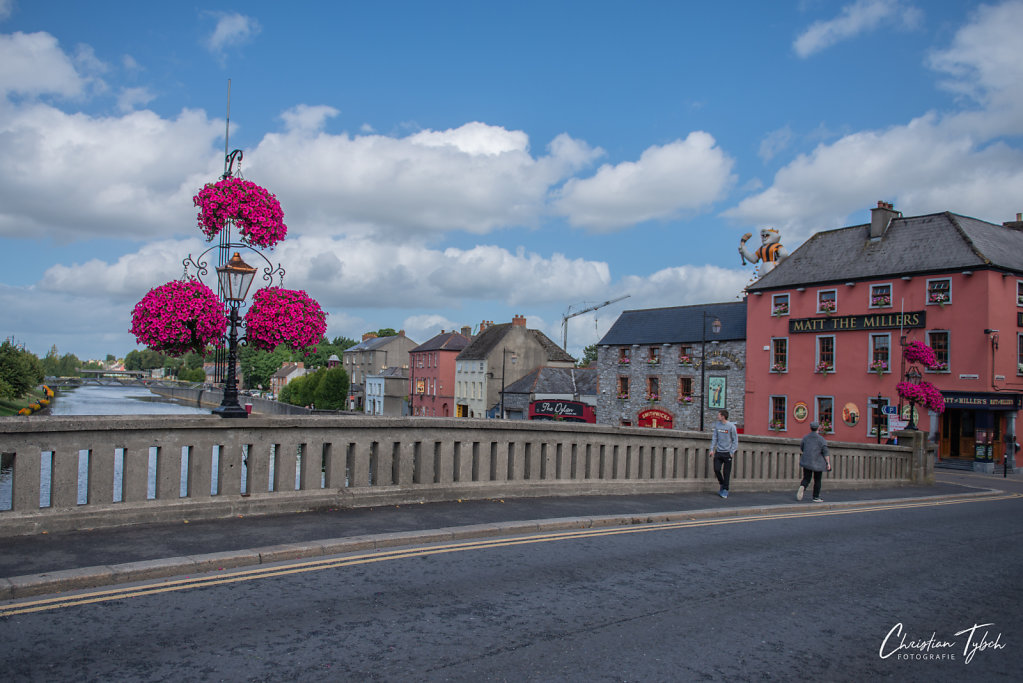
x=924, y=393
x=284, y=316
x=915, y=352
x=255, y=211
x=178, y=317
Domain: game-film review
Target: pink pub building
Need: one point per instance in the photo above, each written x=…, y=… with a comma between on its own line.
x=826, y=328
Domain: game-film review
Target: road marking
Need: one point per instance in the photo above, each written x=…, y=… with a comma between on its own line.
x=92, y=597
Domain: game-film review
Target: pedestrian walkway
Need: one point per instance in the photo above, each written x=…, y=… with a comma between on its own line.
x=59, y=561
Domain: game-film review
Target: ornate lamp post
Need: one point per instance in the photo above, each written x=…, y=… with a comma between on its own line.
x=715, y=327
x=235, y=279
x=913, y=376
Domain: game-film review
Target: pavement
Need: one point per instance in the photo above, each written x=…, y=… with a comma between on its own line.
x=58, y=562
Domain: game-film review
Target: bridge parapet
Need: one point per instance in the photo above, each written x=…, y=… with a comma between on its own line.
x=85, y=472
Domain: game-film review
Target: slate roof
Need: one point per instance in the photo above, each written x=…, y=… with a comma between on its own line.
x=677, y=324
x=371, y=344
x=544, y=380
x=489, y=339
x=445, y=341
x=391, y=372
x=915, y=245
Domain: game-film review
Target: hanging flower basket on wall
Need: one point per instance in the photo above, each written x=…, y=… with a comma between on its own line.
x=178, y=317
x=284, y=316
x=255, y=211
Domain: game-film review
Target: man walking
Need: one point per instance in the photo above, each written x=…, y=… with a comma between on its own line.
x=724, y=441
x=814, y=459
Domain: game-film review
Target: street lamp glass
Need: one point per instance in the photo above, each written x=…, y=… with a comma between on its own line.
x=236, y=278
x=715, y=326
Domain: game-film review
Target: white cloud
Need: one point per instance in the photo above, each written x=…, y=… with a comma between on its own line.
x=6, y=7
x=474, y=178
x=857, y=18
x=232, y=30
x=34, y=64
x=774, y=142
x=131, y=99
x=71, y=176
x=666, y=181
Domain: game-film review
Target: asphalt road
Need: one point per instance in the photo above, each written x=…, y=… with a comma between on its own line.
x=816, y=595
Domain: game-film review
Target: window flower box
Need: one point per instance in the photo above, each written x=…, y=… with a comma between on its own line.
x=780, y=309
x=939, y=367
x=828, y=307
x=824, y=426
x=881, y=301
x=687, y=399
x=624, y=361
x=940, y=298
x=824, y=368
x=654, y=361
x=779, y=367
x=777, y=425
x=622, y=397
x=879, y=367
x=653, y=398
x=685, y=360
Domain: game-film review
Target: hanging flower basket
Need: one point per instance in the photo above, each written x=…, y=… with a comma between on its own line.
x=255, y=211
x=284, y=316
x=916, y=352
x=924, y=393
x=178, y=317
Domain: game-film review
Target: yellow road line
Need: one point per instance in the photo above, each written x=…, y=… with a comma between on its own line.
x=92, y=597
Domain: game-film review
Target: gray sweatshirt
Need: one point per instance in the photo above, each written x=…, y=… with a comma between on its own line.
x=724, y=437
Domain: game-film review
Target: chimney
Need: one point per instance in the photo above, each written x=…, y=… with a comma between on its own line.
x=881, y=218
x=401, y=333
x=369, y=335
x=519, y=321
x=467, y=332
x=1016, y=224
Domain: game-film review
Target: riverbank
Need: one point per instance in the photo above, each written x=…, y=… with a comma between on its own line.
x=35, y=401
x=211, y=398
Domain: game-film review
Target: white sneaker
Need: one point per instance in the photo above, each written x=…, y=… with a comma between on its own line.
x=818, y=500
x=799, y=492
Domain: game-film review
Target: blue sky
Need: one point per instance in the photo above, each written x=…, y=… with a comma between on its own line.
x=445, y=163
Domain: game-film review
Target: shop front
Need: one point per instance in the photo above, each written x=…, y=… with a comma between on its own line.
x=658, y=419
x=568, y=411
x=978, y=426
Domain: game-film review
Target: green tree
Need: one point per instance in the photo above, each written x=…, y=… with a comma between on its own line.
x=386, y=332
x=194, y=375
x=589, y=356
x=20, y=370
x=259, y=366
x=343, y=343
x=332, y=390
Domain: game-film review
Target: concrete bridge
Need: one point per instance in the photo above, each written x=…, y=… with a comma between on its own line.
x=84, y=472
x=117, y=380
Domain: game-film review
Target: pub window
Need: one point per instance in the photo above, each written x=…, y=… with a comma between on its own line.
x=939, y=292
x=880, y=296
x=825, y=354
x=779, y=413
x=876, y=419
x=685, y=389
x=827, y=301
x=624, y=355
x=623, y=387
x=653, y=388
x=880, y=353
x=779, y=355
x=780, y=304
x=654, y=355
x=826, y=414
x=1019, y=353
x=938, y=340
x=685, y=354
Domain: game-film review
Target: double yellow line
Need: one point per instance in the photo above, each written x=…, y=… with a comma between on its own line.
x=92, y=597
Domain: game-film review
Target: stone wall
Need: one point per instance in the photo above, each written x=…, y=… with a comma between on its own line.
x=725, y=360
x=265, y=465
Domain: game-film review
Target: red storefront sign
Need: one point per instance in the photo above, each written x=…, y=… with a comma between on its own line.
x=655, y=418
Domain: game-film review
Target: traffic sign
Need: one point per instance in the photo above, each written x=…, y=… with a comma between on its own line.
x=890, y=410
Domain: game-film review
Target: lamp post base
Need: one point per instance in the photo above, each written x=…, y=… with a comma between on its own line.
x=230, y=411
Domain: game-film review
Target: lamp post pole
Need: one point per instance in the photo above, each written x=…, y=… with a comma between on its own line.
x=504, y=358
x=235, y=279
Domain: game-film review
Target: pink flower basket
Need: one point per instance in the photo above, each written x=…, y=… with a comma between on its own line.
x=924, y=393
x=915, y=352
x=255, y=211
x=284, y=316
x=178, y=317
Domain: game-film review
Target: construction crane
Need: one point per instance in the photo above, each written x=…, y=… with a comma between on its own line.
x=564, y=318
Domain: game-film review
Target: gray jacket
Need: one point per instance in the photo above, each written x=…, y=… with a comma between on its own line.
x=813, y=451
x=724, y=437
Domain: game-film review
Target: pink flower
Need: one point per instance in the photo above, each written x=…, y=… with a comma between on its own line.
x=178, y=317
x=284, y=316
x=255, y=211
x=916, y=352
x=924, y=393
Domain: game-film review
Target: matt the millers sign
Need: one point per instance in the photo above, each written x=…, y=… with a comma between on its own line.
x=859, y=323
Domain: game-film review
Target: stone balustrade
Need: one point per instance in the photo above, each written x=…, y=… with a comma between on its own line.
x=83, y=472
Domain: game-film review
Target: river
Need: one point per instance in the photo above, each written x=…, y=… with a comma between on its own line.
x=97, y=400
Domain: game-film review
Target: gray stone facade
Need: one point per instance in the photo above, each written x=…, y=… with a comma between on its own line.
x=726, y=362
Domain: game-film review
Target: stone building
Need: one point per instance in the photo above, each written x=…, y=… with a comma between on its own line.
x=657, y=366
x=496, y=357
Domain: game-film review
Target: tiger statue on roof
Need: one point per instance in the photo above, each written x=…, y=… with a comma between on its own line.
x=769, y=254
